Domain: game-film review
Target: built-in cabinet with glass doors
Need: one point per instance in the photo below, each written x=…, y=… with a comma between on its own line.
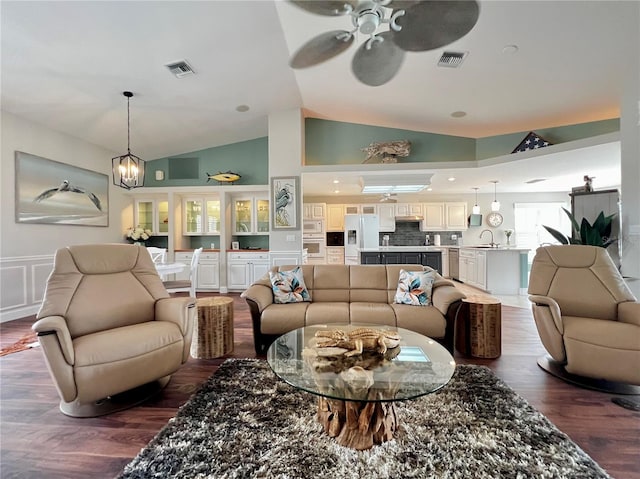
x=201, y=216
x=250, y=215
x=152, y=214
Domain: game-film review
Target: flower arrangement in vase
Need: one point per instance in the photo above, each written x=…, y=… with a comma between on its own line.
x=508, y=234
x=138, y=235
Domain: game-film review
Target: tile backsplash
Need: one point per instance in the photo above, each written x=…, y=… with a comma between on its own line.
x=409, y=234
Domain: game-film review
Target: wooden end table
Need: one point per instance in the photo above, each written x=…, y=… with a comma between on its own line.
x=213, y=331
x=479, y=327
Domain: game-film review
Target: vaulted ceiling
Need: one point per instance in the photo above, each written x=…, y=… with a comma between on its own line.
x=66, y=64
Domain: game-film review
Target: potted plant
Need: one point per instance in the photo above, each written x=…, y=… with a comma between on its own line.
x=596, y=234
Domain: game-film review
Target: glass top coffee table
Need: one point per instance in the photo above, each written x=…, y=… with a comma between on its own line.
x=357, y=390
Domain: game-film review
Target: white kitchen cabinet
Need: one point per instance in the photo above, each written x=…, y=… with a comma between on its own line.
x=433, y=217
x=352, y=209
x=335, y=254
x=445, y=262
x=409, y=209
x=250, y=215
x=314, y=211
x=209, y=271
x=245, y=268
x=468, y=266
x=387, y=217
x=335, y=217
x=368, y=209
x=480, y=278
x=456, y=216
x=201, y=216
x=444, y=216
x=152, y=214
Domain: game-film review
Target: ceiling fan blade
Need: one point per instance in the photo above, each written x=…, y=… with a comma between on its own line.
x=379, y=64
x=321, y=48
x=433, y=24
x=332, y=8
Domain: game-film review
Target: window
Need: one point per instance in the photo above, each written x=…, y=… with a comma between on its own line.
x=529, y=221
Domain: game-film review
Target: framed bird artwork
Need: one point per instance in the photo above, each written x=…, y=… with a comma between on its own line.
x=285, y=197
x=48, y=191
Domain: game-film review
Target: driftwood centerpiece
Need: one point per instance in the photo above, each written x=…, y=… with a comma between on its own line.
x=363, y=418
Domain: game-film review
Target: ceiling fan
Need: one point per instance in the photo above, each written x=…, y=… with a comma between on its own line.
x=388, y=198
x=414, y=26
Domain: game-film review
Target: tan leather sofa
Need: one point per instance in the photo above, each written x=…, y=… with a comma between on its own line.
x=107, y=325
x=352, y=294
x=587, y=318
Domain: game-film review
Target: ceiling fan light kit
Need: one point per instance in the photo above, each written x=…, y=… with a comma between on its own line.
x=412, y=26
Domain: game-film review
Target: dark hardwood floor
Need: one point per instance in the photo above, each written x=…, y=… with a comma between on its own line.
x=38, y=441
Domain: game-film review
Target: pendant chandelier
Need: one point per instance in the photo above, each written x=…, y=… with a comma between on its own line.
x=476, y=209
x=128, y=169
x=495, y=204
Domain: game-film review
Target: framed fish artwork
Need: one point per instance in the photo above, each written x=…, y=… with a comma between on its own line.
x=285, y=196
x=51, y=192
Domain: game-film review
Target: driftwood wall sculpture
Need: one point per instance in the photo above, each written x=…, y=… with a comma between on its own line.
x=387, y=152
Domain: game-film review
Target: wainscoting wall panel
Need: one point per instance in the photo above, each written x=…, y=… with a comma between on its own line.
x=22, y=284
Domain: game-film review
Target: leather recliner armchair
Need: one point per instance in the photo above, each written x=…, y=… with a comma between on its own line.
x=108, y=326
x=587, y=318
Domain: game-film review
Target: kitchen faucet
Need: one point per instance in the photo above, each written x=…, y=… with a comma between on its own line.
x=492, y=244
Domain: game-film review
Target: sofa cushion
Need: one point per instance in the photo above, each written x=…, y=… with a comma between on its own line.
x=372, y=313
x=428, y=321
x=327, y=312
x=282, y=318
x=414, y=288
x=288, y=286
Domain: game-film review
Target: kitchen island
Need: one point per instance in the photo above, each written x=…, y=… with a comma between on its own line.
x=424, y=255
x=497, y=270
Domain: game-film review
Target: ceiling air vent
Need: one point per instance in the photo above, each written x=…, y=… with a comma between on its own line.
x=452, y=59
x=180, y=68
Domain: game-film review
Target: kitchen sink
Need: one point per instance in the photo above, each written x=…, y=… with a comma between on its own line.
x=485, y=246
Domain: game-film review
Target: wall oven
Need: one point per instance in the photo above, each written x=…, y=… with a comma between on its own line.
x=315, y=245
x=313, y=227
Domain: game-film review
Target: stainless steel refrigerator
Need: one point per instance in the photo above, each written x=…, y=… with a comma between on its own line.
x=360, y=231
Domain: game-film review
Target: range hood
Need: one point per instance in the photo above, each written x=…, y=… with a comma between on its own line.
x=411, y=218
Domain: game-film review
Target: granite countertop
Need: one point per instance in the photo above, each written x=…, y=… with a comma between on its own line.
x=440, y=248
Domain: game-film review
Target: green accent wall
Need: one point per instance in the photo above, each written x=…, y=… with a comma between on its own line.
x=337, y=143
x=493, y=146
x=250, y=159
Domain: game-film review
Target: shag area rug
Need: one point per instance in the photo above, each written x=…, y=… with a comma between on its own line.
x=246, y=423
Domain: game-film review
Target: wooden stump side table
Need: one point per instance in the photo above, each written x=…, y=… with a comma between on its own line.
x=479, y=327
x=213, y=331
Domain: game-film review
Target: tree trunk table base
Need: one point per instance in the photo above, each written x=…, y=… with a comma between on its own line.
x=213, y=331
x=358, y=425
x=478, y=327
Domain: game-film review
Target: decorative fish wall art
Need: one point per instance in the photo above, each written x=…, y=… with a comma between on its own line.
x=224, y=178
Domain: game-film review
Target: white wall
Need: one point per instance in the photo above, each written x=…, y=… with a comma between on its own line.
x=286, y=147
x=26, y=250
x=630, y=152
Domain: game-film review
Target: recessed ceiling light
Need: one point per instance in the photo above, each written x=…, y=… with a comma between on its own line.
x=451, y=178
x=458, y=114
x=429, y=189
x=336, y=191
x=335, y=182
x=510, y=49
x=242, y=108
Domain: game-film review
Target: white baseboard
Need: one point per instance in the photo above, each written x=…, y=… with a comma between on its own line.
x=18, y=313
